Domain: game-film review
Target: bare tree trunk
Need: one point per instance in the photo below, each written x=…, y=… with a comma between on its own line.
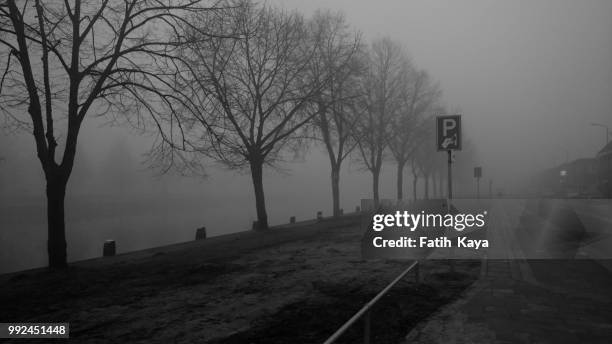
x=56, y=242
x=260, y=200
x=427, y=186
x=435, y=186
x=335, y=181
x=375, y=182
x=415, y=179
x=400, y=180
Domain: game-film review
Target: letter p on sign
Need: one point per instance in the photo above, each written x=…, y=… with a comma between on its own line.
x=448, y=129
x=448, y=124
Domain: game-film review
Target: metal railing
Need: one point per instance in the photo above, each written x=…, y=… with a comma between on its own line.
x=366, y=309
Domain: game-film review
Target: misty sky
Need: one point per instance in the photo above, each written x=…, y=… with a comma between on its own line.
x=529, y=77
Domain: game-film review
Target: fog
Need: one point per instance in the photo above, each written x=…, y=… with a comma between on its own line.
x=528, y=76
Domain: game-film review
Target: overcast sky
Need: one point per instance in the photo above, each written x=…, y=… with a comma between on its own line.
x=530, y=76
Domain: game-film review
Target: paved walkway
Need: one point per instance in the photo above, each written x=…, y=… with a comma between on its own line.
x=503, y=309
x=527, y=301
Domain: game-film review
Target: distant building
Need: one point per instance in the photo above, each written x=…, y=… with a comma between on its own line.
x=604, y=170
x=580, y=177
x=586, y=177
x=577, y=178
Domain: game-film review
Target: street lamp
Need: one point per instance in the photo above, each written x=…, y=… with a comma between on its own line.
x=607, y=130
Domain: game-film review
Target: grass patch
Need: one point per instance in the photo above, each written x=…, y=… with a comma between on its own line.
x=314, y=320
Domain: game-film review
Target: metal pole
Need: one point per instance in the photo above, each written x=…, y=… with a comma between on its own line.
x=450, y=195
x=450, y=174
x=366, y=327
x=477, y=188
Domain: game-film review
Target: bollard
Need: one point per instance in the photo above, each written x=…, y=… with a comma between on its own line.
x=319, y=215
x=109, y=248
x=292, y=219
x=358, y=209
x=341, y=212
x=200, y=233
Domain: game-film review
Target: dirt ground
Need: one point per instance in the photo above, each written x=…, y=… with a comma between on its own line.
x=288, y=285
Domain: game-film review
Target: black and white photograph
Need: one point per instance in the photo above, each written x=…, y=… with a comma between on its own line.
x=297, y=172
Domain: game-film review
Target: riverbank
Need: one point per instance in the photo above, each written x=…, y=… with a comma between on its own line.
x=289, y=284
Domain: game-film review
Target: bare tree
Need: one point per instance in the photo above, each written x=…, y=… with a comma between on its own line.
x=253, y=92
x=422, y=95
x=65, y=61
x=383, y=88
x=421, y=149
x=338, y=59
x=415, y=176
x=426, y=166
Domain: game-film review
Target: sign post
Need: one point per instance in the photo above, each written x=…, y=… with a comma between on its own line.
x=448, y=138
x=450, y=174
x=477, y=175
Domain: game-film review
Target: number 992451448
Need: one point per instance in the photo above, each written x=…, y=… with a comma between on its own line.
x=34, y=330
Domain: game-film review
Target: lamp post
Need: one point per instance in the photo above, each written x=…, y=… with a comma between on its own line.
x=605, y=127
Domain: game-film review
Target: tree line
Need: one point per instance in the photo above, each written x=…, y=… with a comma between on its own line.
x=235, y=82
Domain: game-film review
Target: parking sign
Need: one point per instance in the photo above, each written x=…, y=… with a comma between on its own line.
x=448, y=132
